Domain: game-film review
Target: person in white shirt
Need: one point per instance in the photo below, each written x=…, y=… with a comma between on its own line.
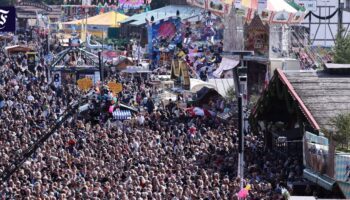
x=30, y=97
x=140, y=119
x=9, y=103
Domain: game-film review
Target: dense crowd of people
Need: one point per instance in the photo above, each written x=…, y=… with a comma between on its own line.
x=160, y=153
x=198, y=43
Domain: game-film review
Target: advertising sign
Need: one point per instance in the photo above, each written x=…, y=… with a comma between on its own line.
x=316, y=153
x=310, y=5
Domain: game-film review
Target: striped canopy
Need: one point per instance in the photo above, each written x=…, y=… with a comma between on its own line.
x=270, y=11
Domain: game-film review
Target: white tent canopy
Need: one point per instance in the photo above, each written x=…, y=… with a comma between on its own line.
x=225, y=65
x=222, y=86
x=280, y=5
x=197, y=84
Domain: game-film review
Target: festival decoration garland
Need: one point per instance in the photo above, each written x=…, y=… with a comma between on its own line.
x=321, y=17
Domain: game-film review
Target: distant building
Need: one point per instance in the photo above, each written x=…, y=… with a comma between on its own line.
x=324, y=34
x=27, y=12
x=297, y=111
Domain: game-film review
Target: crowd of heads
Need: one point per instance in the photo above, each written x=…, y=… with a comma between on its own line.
x=160, y=153
x=198, y=43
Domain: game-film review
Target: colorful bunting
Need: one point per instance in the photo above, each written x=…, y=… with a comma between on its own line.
x=270, y=11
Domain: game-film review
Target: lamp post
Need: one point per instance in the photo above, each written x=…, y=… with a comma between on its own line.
x=86, y=24
x=242, y=95
x=340, y=16
x=240, y=80
x=325, y=2
x=48, y=35
x=100, y=66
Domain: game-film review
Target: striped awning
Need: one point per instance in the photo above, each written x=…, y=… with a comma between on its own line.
x=122, y=114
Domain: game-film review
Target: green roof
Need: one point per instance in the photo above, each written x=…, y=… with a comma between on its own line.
x=296, y=6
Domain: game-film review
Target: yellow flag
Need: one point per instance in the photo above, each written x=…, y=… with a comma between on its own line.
x=115, y=87
x=84, y=83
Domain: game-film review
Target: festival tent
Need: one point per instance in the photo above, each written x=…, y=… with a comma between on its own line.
x=223, y=85
x=226, y=64
x=110, y=19
x=196, y=85
x=99, y=24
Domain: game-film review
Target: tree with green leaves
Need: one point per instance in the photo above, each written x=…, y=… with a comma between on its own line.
x=342, y=132
x=342, y=49
x=231, y=94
